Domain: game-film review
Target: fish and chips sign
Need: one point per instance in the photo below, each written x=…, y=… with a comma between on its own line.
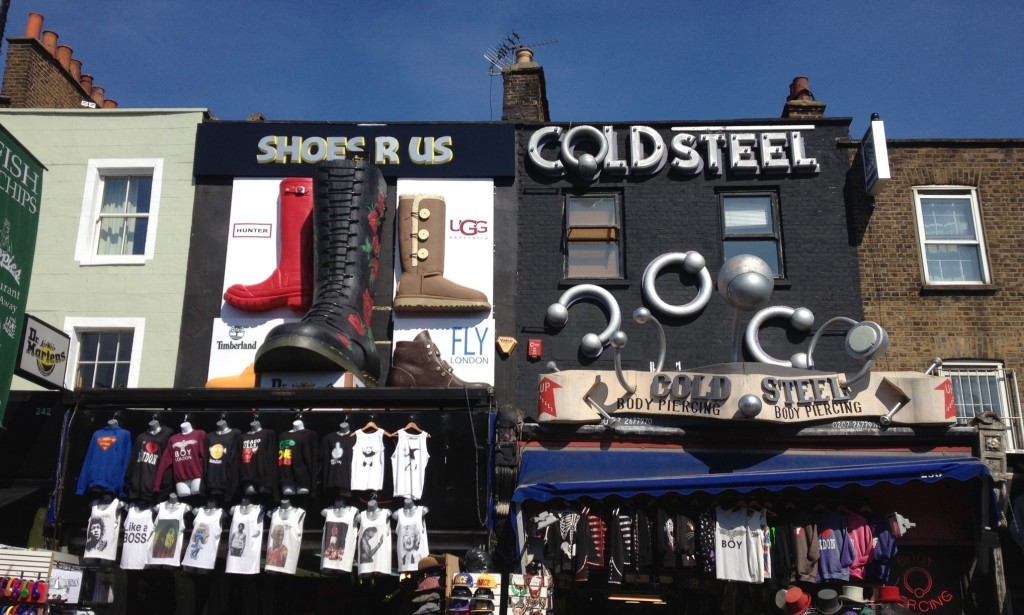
x=747, y=392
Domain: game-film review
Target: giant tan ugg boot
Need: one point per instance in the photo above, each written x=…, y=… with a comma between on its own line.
x=423, y=287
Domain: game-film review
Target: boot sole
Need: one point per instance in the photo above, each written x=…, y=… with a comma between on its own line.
x=433, y=304
x=284, y=353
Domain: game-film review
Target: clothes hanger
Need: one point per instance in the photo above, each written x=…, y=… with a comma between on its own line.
x=412, y=427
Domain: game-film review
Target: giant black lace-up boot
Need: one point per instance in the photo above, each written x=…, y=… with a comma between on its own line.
x=348, y=211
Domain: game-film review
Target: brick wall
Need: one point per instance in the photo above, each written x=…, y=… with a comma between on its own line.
x=34, y=79
x=525, y=98
x=953, y=324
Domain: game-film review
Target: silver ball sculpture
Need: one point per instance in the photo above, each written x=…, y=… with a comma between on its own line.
x=750, y=406
x=588, y=165
x=746, y=282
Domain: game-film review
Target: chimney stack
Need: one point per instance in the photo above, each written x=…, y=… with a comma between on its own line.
x=526, y=98
x=800, y=103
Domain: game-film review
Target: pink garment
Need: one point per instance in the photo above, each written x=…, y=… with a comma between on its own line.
x=863, y=543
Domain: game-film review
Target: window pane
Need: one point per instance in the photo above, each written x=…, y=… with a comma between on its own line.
x=121, y=375
x=592, y=211
x=135, y=229
x=748, y=215
x=975, y=392
x=104, y=375
x=108, y=347
x=953, y=263
x=85, y=374
x=593, y=260
x=948, y=219
x=138, y=195
x=125, y=339
x=765, y=249
x=88, y=343
x=111, y=235
x=115, y=189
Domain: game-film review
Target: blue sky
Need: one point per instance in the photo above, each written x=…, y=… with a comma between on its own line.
x=930, y=68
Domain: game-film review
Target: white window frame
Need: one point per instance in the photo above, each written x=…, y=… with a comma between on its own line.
x=979, y=240
x=582, y=235
x=775, y=236
x=965, y=368
x=75, y=326
x=88, y=227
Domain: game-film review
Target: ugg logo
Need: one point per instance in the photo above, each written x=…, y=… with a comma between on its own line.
x=468, y=227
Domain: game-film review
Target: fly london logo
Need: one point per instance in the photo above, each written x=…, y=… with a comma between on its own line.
x=236, y=334
x=7, y=262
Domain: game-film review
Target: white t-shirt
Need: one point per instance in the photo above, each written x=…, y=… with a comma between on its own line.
x=201, y=550
x=245, y=539
x=739, y=548
x=339, y=541
x=284, y=540
x=138, y=530
x=409, y=464
x=368, y=461
x=375, y=542
x=103, y=531
x=411, y=537
x=165, y=544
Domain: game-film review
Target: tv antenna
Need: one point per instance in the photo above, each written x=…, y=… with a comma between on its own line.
x=504, y=54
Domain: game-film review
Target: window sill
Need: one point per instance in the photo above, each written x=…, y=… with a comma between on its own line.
x=602, y=282
x=132, y=261
x=942, y=289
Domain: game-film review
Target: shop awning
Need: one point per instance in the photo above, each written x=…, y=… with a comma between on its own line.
x=572, y=473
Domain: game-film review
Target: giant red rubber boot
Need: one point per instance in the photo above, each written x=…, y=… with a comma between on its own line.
x=291, y=284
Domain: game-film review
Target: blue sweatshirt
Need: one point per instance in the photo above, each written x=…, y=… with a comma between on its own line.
x=106, y=461
x=837, y=552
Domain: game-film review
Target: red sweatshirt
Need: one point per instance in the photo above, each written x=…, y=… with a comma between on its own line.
x=184, y=455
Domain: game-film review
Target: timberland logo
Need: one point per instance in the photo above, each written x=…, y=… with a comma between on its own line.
x=236, y=334
x=251, y=229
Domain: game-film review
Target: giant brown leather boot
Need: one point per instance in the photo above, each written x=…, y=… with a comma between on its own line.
x=423, y=287
x=418, y=364
x=335, y=335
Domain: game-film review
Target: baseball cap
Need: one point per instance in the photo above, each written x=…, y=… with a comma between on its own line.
x=462, y=578
x=459, y=605
x=461, y=591
x=484, y=593
x=486, y=580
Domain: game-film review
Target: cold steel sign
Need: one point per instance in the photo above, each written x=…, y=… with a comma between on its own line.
x=745, y=391
x=289, y=149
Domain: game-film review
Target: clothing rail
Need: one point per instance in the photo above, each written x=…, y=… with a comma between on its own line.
x=341, y=399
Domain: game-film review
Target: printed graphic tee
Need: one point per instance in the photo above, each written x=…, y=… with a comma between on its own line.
x=739, y=552
x=103, y=531
x=339, y=539
x=284, y=540
x=336, y=461
x=259, y=460
x=374, y=542
x=142, y=467
x=106, y=461
x=409, y=464
x=245, y=540
x=201, y=550
x=411, y=533
x=223, y=457
x=297, y=458
x=184, y=456
x=138, y=529
x=165, y=545
x=368, y=461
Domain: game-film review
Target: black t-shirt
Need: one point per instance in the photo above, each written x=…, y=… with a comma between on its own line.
x=297, y=458
x=259, y=460
x=142, y=465
x=223, y=458
x=336, y=463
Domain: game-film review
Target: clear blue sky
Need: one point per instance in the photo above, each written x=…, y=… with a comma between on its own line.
x=931, y=68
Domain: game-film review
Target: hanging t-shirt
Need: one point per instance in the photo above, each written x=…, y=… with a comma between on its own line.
x=184, y=456
x=284, y=540
x=259, y=460
x=106, y=461
x=336, y=452
x=245, y=539
x=739, y=552
x=297, y=458
x=409, y=463
x=165, y=545
x=142, y=466
x=339, y=539
x=201, y=550
x=223, y=457
x=138, y=530
x=411, y=531
x=374, y=542
x=368, y=461
x=103, y=531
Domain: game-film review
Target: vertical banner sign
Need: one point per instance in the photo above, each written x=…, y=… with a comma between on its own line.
x=21, y=185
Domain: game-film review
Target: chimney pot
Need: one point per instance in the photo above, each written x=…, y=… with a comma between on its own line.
x=97, y=95
x=50, y=41
x=86, y=81
x=76, y=69
x=524, y=55
x=34, y=26
x=64, y=56
x=800, y=89
x=110, y=103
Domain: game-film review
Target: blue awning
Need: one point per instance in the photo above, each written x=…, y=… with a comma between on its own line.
x=587, y=472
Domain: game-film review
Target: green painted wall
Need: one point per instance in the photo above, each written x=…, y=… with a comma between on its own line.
x=65, y=141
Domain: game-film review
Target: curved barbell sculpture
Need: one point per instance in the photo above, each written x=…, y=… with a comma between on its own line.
x=592, y=344
x=800, y=318
x=694, y=264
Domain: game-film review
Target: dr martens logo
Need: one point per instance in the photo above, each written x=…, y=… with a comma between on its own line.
x=468, y=227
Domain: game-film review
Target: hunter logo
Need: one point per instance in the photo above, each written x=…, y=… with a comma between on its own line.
x=46, y=354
